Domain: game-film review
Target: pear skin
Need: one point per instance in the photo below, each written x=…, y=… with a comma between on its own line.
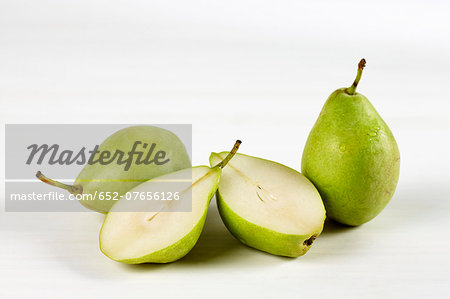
x=167, y=235
x=269, y=206
x=112, y=177
x=116, y=232
x=352, y=157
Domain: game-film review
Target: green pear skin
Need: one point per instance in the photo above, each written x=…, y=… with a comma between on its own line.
x=173, y=252
x=273, y=242
x=113, y=178
x=167, y=235
x=352, y=158
x=269, y=206
x=181, y=247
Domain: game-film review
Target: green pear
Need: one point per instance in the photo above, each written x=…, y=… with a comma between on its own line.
x=165, y=234
x=99, y=178
x=269, y=206
x=352, y=157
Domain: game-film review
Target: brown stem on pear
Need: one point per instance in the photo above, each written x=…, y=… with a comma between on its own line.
x=74, y=189
x=352, y=89
x=230, y=155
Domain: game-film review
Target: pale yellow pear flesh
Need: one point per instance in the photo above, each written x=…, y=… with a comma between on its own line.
x=164, y=236
x=269, y=206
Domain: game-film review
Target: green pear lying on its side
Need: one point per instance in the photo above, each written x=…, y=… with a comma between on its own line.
x=113, y=178
x=165, y=234
x=269, y=206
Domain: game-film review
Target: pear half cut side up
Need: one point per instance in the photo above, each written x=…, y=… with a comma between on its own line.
x=166, y=232
x=269, y=206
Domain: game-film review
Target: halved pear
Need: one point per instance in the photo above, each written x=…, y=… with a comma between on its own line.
x=163, y=234
x=269, y=206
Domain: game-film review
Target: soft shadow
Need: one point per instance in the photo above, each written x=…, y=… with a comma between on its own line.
x=332, y=227
x=215, y=241
x=336, y=240
x=145, y=267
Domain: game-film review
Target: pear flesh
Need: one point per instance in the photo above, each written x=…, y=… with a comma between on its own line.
x=164, y=235
x=352, y=157
x=269, y=206
x=167, y=232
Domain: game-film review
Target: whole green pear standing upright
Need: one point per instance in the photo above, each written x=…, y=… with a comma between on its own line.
x=352, y=157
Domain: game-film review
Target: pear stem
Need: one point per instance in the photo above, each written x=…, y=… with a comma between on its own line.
x=230, y=155
x=352, y=89
x=74, y=189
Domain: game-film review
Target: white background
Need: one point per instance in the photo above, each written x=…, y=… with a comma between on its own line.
x=255, y=70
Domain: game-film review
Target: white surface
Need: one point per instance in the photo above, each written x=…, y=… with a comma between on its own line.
x=255, y=70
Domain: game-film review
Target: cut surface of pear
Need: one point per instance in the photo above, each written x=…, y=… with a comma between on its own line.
x=167, y=232
x=269, y=206
x=163, y=235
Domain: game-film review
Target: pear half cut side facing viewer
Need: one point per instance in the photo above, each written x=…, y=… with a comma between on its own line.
x=164, y=234
x=269, y=206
